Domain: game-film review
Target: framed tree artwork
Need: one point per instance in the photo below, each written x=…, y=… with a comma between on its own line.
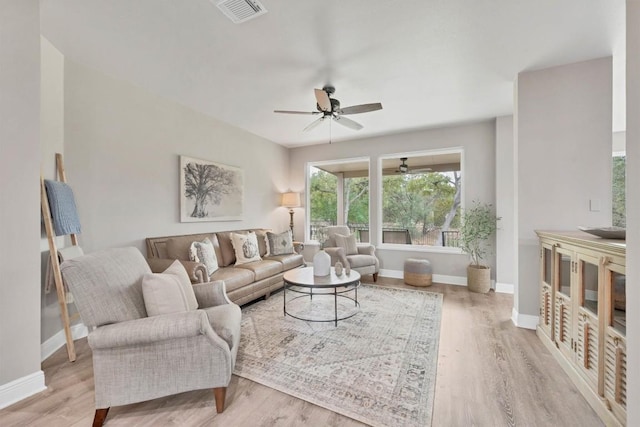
x=210, y=191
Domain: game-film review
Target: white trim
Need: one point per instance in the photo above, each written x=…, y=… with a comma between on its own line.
x=419, y=248
x=525, y=321
x=437, y=278
x=21, y=388
x=52, y=345
x=505, y=288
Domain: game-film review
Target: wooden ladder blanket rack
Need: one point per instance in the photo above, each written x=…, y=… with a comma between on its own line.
x=55, y=261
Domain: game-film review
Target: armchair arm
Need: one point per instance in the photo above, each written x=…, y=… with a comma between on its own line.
x=211, y=294
x=337, y=254
x=149, y=330
x=196, y=270
x=366, y=250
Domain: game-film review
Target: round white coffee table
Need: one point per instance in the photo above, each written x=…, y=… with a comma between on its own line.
x=303, y=282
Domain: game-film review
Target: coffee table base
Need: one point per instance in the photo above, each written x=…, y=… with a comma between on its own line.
x=336, y=293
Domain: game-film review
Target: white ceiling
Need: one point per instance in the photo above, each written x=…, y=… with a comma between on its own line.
x=429, y=62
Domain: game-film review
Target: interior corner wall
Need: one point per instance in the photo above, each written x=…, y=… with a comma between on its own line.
x=20, y=206
x=122, y=156
x=633, y=210
x=564, y=131
x=477, y=140
x=505, y=202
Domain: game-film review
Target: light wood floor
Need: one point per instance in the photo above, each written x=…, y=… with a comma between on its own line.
x=490, y=373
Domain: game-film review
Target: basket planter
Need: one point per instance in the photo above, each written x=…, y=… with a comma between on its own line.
x=478, y=278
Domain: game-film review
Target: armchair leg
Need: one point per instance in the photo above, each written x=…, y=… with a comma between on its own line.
x=219, y=393
x=375, y=277
x=100, y=416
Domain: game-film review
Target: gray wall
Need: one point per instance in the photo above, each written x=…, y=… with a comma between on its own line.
x=506, y=241
x=563, y=119
x=478, y=141
x=19, y=175
x=122, y=147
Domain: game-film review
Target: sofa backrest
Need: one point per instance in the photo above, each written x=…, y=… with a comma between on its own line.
x=107, y=285
x=177, y=247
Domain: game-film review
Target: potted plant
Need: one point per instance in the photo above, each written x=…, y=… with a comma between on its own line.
x=479, y=223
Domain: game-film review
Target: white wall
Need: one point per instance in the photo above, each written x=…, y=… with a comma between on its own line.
x=563, y=119
x=478, y=141
x=122, y=148
x=633, y=211
x=20, y=373
x=505, y=204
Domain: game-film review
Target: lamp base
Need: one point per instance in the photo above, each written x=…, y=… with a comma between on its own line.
x=291, y=223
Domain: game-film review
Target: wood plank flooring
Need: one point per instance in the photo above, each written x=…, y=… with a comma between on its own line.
x=490, y=373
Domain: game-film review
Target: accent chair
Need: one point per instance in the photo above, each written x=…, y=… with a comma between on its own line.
x=341, y=246
x=138, y=358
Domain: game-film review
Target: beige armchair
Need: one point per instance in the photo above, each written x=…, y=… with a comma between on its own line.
x=138, y=358
x=363, y=259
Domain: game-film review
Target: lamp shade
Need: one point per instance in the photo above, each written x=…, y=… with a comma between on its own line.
x=290, y=200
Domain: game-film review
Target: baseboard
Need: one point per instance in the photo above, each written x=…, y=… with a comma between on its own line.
x=525, y=321
x=504, y=288
x=437, y=278
x=52, y=345
x=21, y=388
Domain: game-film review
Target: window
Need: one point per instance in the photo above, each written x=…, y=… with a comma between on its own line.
x=619, y=217
x=339, y=194
x=421, y=198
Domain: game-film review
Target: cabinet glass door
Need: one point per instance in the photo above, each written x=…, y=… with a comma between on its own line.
x=615, y=361
x=563, y=317
x=589, y=294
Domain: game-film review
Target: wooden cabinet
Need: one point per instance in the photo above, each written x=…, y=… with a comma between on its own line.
x=582, y=315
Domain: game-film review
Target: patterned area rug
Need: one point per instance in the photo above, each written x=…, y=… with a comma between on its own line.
x=378, y=367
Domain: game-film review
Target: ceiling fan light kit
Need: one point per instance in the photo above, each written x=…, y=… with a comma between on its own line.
x=330, y=108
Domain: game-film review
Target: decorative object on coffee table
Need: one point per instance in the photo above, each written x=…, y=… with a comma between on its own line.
x=338, y=268
x=417, y=272
x=321, y=263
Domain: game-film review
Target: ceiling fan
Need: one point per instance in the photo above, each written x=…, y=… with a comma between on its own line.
x=330, y=108
x=403, y=168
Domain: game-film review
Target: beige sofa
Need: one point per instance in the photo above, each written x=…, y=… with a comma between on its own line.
x=244, y=282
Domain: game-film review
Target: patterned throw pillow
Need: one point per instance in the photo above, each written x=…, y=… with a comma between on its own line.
x=203, y=252
x=348, y=243
x=245, y=247
x=280, y=244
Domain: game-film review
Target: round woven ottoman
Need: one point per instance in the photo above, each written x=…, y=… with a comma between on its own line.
x=417, y=272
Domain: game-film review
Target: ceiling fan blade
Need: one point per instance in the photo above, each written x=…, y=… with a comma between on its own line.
x=347, y=122
x=362, y=108
x=296, y=112
x=313, y=124
x=323, y=100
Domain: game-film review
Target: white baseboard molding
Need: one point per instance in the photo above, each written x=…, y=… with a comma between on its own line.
x=21, y=388
x=504, y=288
x=525, y=321
x=437, y=278
x=52, y=345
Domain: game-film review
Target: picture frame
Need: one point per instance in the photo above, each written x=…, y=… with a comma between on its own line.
x=210, y=191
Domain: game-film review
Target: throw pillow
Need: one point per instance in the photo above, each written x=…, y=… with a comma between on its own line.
x=348, y=243
x=168, y=292
x=280, y=244
x=203, y=252
x=245, y=247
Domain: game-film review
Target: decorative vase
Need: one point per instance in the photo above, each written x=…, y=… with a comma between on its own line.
x=338, y=268
x=347, y=269
x=478, y=278
x=321, y=263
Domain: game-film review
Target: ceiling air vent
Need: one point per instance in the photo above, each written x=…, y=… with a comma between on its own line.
x=241, y=10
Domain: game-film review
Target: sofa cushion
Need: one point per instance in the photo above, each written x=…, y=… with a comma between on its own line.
x=263, y=243
x=178, y=247
x=203, y=252
x=228, y=255
x=233, y=277
x=348, y=243
x=245, y=247
x=262, y=269
x=168, y=292
x=288, y=261
x=280, y=244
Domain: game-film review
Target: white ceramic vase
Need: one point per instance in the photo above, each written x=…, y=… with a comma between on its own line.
x=321, y=264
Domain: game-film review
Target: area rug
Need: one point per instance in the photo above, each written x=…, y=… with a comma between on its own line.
x=377, y=367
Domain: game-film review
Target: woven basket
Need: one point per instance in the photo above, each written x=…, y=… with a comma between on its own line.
x=478, y=278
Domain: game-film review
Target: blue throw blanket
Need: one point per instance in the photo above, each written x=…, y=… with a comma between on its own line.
x=63, y=208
